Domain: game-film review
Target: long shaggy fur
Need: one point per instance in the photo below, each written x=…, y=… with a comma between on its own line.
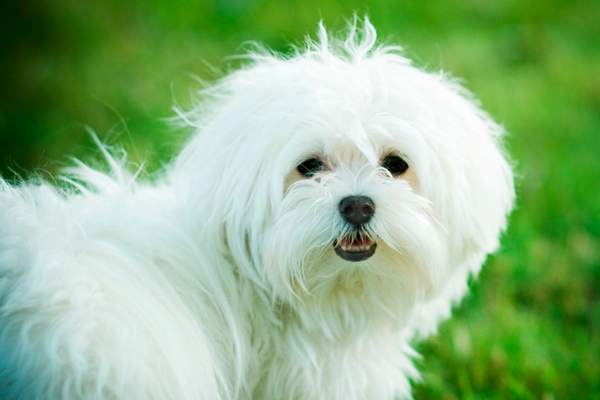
x=219, y=280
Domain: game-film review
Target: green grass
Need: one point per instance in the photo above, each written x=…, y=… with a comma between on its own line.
x=531, y=326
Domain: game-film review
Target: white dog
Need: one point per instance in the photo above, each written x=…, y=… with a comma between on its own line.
x=329, y=209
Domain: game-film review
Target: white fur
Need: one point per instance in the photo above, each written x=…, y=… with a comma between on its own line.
x=219, y=281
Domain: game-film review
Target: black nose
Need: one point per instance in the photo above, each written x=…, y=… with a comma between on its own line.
x=357, y=210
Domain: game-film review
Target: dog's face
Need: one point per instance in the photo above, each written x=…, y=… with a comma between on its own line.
x=354, y=228
x=352, y=183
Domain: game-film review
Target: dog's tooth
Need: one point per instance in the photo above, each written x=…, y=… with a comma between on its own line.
x=355, y=244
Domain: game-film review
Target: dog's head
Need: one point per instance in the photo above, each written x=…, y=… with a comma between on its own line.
x=346, y=181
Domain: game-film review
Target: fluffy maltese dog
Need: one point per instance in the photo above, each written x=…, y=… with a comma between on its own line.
x=328, y=211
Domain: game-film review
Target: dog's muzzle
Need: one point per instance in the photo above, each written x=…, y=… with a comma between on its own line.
x=356, y=211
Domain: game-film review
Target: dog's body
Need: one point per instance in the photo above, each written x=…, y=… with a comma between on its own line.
x=238, y=275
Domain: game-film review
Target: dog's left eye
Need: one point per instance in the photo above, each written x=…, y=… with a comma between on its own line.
x=310, y=167
x=396, y=165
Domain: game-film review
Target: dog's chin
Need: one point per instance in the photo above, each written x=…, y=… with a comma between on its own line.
x=355, y=250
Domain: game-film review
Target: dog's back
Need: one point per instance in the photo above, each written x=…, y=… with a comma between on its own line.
x=87, y=291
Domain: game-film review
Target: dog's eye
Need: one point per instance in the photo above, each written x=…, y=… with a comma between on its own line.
x=310, y=167
x=396, y=165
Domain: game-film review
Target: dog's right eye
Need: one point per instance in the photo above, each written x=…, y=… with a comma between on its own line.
x=310, y=167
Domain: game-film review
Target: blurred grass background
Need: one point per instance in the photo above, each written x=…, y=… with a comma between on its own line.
x=530, y=327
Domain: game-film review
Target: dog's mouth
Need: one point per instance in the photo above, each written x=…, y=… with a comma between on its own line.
x=355, y=248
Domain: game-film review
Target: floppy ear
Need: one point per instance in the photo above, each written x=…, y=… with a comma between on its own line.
x=471, y=186
x=481, y=193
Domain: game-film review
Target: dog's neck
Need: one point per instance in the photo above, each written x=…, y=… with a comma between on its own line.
x=300, y=350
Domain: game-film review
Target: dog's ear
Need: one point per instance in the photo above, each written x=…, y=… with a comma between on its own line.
x=470, y=184
x=480, y=191
x=237, y=186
